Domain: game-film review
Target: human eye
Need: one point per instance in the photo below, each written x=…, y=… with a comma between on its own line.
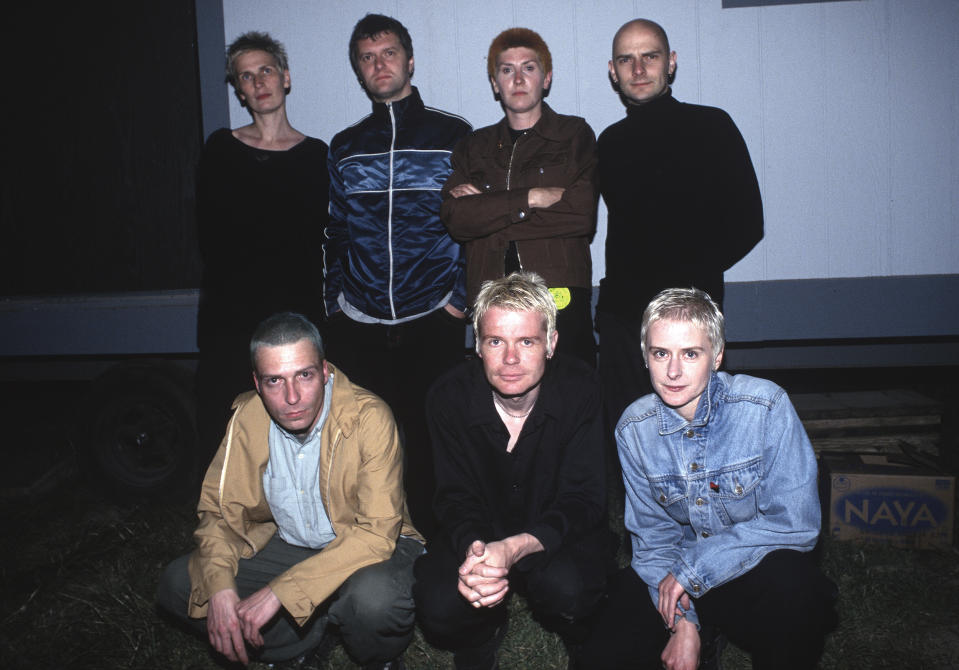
x=530, y=67
x=245, y=76
x=651, y=57
x=366, y=58
x=506, y=69
x=623, y=59
x=692, y=355
x=527, y=342
x=493, y=341
x=306, y=374
x=659, y=353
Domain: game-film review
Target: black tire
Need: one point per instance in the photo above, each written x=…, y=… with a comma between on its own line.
x=142, y=442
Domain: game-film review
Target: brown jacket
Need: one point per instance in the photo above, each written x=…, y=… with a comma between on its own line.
x=361, y=483
x=554, y=242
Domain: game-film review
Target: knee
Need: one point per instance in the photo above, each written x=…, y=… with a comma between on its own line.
x=566, y=591
x=376, y=599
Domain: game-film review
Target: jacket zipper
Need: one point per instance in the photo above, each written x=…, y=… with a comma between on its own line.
x=509, y=171
x=389, y=218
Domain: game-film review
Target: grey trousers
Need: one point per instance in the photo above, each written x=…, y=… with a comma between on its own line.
x=373, y=608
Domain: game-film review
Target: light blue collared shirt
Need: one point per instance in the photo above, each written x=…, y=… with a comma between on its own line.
x=291, y=482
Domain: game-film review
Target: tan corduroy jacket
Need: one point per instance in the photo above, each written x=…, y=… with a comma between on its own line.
x=361, y=484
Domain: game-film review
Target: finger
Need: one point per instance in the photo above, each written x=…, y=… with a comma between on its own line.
x=490, y=588
x=494, y=599
x=487, y=570
x=239, y=647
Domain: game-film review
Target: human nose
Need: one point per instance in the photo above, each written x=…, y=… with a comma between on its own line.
x=510, y=355
x=674, y=368
x=292, y=393
x=639, y=67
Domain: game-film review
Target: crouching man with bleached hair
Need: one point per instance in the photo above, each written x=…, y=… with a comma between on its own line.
x=521, y=484
x=722, y=506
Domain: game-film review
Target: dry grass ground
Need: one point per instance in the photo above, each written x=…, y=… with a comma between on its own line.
x=79, y=573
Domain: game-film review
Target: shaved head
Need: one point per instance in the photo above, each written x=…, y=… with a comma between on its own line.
x=642, y=23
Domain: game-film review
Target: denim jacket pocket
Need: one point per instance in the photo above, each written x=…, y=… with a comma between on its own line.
x=670, y=493
x=736, y=490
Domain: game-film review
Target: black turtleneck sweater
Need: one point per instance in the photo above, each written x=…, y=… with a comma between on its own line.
x=683, y=201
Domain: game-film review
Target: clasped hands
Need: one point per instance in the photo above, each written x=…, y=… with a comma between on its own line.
x=231, y=621
x=483, y=576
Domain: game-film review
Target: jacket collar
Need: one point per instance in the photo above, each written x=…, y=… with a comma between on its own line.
x=344, y=410
x=548, y=127
x=411, y=104
x=663, y=105
x=671, y=422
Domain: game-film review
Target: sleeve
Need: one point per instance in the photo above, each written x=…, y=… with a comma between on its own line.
x=476, y=216
x=336, y=248
x=788, y=515
x=213, y=563
x=739, y=207
x=372, y=522
x=656, y=537
x=580, y=503
x=457, y=502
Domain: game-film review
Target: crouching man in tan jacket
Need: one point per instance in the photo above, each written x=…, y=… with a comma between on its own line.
x=302, y=514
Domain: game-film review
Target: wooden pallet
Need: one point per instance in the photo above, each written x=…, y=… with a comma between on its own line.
x=871, y=421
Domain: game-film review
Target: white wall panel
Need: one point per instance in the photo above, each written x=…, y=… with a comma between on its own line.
x=849, y=109
x=924, y=75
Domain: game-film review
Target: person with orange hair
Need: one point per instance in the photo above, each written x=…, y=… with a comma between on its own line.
x=523, y=192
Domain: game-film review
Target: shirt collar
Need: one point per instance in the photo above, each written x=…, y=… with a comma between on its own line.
x=671, y=422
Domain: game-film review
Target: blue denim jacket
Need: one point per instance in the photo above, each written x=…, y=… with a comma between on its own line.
x=707, y=499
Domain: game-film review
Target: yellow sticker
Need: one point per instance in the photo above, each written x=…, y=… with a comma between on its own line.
x=560, y=297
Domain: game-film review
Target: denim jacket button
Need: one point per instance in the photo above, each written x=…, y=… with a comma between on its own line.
x=694, y=466
x=662, y=498
x=705, y=534
x=738, y=489
x=696, y=588
x=700, y=502
x=690, y=433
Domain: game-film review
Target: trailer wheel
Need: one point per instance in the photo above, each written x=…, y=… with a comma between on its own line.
x=142, y=440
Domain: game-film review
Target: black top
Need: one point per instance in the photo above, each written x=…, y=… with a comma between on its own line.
x=683, y=201
x=552, y=485
x=261, y=216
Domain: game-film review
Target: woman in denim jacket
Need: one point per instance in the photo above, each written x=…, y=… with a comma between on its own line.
x=722, y=506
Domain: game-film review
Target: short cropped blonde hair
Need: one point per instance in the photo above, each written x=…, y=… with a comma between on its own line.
x=518, y=292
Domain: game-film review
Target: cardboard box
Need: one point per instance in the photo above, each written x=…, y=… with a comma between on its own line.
x=886, y=498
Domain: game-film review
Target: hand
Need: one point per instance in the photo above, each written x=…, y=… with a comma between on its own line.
x=255, y=611
x=545, y=196
x=223, y=626
x=682, y=650
x=482, y=576
x=464, y=189
x=670, y=592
